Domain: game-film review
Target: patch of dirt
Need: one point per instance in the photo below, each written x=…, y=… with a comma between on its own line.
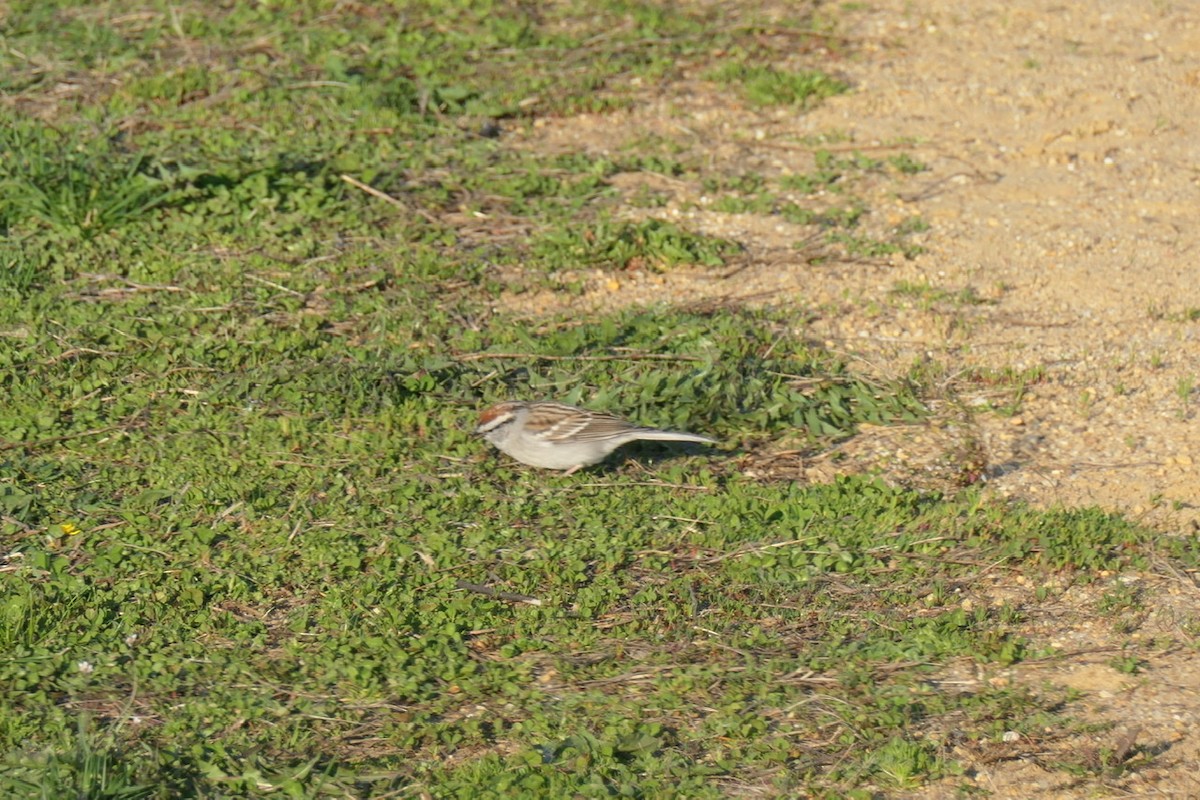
x=1063, y=192
x=1140, y=690
x=1062, y=189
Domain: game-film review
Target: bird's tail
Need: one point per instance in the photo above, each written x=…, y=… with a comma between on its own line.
x=673, y=436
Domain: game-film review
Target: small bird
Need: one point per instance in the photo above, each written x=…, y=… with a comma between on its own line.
x=556, y=436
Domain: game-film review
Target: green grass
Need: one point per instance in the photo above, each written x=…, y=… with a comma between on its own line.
x=925, y=295
x=229, y=620
x=769, y=86
x=651, y=244
x=824, y=198
x=248, y=314
x=78, y=189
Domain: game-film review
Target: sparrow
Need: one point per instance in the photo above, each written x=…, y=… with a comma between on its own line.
x=556, y=436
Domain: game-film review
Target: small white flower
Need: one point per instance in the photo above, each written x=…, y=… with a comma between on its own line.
x=85, y=667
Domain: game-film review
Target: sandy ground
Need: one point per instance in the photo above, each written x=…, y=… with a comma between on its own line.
x=1063, y=192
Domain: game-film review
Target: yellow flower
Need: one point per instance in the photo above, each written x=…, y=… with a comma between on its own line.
x=69, y=529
